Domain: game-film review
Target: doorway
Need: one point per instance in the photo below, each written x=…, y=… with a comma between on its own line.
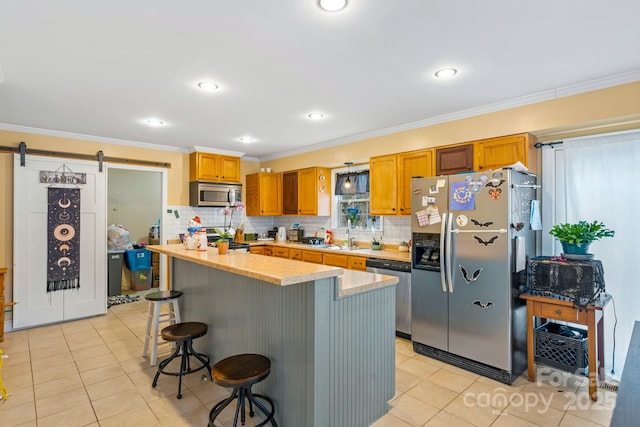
x=136, y=199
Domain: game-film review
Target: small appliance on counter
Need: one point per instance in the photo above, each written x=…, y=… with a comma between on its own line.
x=296, y=234
x=282, y=235
x=273, y=233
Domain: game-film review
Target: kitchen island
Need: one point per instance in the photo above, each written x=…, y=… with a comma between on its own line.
x=329, y=332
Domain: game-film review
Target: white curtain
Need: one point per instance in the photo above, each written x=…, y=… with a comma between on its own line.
x=598, y=178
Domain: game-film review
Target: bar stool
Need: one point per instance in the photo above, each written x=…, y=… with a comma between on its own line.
x=240, y=372
x=155, y=317
x=183, y=335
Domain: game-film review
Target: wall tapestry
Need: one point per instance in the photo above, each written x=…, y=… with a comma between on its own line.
x=63, y=234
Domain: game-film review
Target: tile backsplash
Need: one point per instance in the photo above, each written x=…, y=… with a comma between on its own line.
x=395, y=228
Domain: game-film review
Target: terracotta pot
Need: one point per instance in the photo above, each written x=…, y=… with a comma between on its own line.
x=223, y=247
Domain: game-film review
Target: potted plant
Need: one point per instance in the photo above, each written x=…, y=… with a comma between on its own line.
x=376, y=243
x=576, y=238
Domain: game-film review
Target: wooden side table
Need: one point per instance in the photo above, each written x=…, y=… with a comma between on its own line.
x=591, y=316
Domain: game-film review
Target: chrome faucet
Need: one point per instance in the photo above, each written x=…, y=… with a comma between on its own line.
x=352, y=243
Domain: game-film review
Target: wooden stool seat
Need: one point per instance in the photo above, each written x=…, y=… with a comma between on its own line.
x=183, y=331
x=241, y=369
x=240, y=372
x=155, y=318
x=183, y=334
x=163, y=295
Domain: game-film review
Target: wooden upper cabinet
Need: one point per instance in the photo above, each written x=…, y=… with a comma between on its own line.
x=451, y=160
x=495, y=153
x=213, y=167
x=290, y=193
x=413, y=163
x=383, y=185
x=390, y=180
x=264, y=194
x=307, y=192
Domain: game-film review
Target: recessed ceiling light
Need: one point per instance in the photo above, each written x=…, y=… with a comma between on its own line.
x=154, y=122
x=332, y=5
x=208, y=86
x=315, y=116
x=246, y=139
x=445, y=73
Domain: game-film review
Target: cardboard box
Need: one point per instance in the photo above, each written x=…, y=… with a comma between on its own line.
x=141, y=279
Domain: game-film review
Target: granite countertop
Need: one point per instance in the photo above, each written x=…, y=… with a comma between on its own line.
x=391, y=254
x=278, y=271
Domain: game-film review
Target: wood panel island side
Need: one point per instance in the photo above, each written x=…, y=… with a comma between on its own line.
x=329, y=332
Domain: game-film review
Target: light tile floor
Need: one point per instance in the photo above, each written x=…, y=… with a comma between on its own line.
x=90, y=373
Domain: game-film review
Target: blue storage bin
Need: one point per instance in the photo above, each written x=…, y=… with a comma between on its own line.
x=138, y=259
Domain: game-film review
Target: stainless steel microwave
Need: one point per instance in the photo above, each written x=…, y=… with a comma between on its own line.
x=217, y=195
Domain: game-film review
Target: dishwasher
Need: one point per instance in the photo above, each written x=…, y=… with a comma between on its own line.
x=402, y=270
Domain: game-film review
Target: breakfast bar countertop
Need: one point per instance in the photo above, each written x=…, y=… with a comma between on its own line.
x=278, y=271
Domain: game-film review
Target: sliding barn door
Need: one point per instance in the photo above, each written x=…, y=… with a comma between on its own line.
x=35, y=306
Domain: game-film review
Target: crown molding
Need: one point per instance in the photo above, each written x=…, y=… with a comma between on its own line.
x=90, y=138
x=549, y=95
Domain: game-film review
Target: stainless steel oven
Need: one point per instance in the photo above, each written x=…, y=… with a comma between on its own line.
x=216, y=195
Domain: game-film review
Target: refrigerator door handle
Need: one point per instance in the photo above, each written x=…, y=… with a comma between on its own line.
x=448, y=252
x=443, y=267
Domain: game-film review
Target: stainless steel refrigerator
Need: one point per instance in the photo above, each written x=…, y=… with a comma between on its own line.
x=471, y=238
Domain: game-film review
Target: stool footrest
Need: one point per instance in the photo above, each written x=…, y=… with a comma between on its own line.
x=185, y=351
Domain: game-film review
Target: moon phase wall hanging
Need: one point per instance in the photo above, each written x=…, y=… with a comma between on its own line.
x=63, y=236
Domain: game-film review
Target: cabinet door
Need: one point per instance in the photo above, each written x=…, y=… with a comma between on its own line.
x=270, y=194
x=495, y=153
x=312, y=256
x=383, y=176
x=280, y=252
x=264, y=194
x=290, y=193
x=307, y=192
x=455, y=159
x=229, y=168
x=203, y=167
x=295, y=254
x=414, y=163
x=336, y=260
x=252, y=182
x=357, y=263
x=268, y=251
x=258, y=250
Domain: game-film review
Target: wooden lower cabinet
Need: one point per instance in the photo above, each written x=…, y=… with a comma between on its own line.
x=280, y=252
x=295, y=254
x=258, y=250
x=357, y=263
x=312, y=256
x=336, y=260
x=350, y=262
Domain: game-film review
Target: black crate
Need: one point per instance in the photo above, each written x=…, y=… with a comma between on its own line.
x=563, y=347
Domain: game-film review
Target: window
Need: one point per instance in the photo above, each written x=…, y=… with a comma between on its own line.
x=595, y=178
x=351, y=203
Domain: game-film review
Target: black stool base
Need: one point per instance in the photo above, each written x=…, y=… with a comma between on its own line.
x=185, y=350
x=240, y=394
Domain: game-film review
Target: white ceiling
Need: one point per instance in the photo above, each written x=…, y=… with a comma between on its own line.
x=98, y=69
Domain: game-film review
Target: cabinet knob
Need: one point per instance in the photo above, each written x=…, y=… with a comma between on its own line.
x=558, y=312
x=401, y=209
x=393, y=209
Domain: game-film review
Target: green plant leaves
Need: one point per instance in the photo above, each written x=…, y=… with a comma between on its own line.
x=581, y=232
